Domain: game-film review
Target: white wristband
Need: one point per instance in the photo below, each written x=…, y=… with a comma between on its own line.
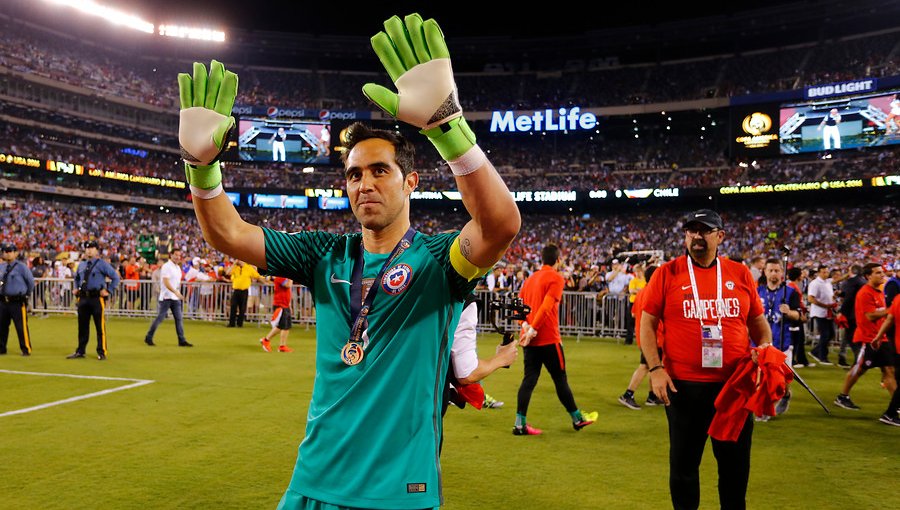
x=472, y=160
x=207, y=194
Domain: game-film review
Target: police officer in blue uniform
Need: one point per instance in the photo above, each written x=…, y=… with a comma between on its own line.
x=16, y=283
x=93, y=293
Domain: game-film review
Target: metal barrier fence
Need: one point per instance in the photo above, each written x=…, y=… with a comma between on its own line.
x=580, y=314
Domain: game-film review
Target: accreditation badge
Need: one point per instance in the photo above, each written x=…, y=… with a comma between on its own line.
x=711, y=345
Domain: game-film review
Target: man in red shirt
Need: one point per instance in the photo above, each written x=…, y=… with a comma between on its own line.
x=870, y=311
x=542, y=291
x=281, y=315
x=132, y=285
x=627, y=398
x=891, y=416
x=711, y=310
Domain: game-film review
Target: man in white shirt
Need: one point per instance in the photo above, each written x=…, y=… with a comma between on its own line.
x=170, y=298
x=821, y=304
x=467, y=367
x=617, y=280
x=496, y=281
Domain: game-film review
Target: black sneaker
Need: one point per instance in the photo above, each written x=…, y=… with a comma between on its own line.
x=845, y=402
x=26, y=354
x=653, y=400
x=75, y=355
x=890, y=420
x=149, y=342
x=629, y=402
x=782, y=406
x=101, y=357
x=823, y=361
x=185, y=344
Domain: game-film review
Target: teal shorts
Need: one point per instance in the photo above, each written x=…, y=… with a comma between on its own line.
x=295, y=501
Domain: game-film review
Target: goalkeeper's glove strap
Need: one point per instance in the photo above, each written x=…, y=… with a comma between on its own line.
x=452, y=139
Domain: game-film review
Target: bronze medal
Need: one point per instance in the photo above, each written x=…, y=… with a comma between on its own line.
x=352, y=353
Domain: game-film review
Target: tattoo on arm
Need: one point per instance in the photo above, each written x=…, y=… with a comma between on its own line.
x=465, y=247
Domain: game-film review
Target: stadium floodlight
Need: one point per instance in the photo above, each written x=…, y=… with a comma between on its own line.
x=202, y=34
x=112, y=15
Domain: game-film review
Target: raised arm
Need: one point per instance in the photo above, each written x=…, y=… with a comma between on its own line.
x=416, y=57
x=205, y=121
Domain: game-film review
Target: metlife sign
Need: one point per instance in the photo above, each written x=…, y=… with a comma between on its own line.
x=562, y=119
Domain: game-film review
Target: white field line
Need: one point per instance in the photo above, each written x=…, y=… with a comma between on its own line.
x=134, y=384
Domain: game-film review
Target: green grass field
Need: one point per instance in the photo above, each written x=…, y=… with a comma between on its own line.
x=219, y=429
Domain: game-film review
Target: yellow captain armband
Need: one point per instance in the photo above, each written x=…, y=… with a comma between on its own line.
x=466, y=269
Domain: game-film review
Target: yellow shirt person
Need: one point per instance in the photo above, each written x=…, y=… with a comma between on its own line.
x=637, y=283
x=241, y=275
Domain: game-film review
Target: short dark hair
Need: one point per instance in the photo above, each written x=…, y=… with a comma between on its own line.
x=868, y=268
x=794, y=273
x=773, y=260
x=821, y=268
x=648, y=273
x=550, y=254
x=404, y=150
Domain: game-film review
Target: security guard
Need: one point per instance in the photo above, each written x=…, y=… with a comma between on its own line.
x=16, y=283
x=93, y=292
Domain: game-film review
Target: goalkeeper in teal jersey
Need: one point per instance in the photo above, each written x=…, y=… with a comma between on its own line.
x=387, y=297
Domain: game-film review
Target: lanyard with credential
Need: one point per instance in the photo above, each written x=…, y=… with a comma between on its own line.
x=354, y=350
x=719, y=304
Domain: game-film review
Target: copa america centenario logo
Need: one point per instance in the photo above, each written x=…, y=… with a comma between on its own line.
x=756, y=123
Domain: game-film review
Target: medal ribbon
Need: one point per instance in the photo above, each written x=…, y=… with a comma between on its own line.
x=358, y=308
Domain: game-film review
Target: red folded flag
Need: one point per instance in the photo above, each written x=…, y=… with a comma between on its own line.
x=841, y=322
x=471, y=393
x=752, y=388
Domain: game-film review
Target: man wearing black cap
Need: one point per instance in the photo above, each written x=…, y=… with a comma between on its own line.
x=16, y=282
x=93, y=292
x=711, y=310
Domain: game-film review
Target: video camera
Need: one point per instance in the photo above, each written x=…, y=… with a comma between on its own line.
x=505, y=310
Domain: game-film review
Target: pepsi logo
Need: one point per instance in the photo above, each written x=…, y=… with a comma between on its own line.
x=324, y=114
x=396, y=279
x=272, y=111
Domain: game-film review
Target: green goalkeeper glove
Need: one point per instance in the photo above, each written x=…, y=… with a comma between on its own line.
x=415, y=56
x=205, y=120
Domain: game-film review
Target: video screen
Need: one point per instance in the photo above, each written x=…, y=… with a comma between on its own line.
x=849, y=122
x=334, y=203
x=278, y=201
x=284, y=140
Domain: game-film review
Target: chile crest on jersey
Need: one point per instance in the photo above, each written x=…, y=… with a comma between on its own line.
x=396, y=279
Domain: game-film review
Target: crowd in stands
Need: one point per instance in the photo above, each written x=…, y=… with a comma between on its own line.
x=836, y=237
x=526, y=162
x=151, y=81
